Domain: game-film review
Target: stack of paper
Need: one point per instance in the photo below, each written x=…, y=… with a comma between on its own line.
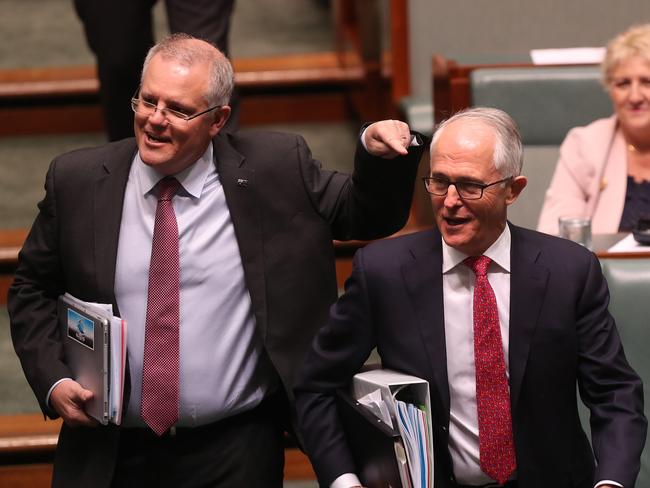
x=414, y=428
x=573, y=55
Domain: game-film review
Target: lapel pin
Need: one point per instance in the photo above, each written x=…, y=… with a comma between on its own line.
x=242, y=182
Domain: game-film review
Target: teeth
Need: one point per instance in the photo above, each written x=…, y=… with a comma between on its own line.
x=158, y=139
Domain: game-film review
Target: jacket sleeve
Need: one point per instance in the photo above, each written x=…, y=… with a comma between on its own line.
x=32, y=300
x=338, y=352
x=608, y=385
x=373, y=202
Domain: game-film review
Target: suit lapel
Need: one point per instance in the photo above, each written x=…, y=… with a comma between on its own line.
x=423, y=280
x=108, y=200
x=528, y=282
x=239, y=186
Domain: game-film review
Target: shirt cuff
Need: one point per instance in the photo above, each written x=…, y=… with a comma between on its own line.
x=47, y=398
x=607, y=482
x=346, y=480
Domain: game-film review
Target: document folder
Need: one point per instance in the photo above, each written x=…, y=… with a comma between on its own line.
x=377, y=448
x=95, y=350
x=409, y=405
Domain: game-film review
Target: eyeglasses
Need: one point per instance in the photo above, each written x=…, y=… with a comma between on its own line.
x=173, y=117
x=466, y=190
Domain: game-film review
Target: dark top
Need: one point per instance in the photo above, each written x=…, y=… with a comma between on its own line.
x=637, y=204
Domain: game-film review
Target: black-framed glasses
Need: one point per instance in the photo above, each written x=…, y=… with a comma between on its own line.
x=466, y=190
x=173, y=117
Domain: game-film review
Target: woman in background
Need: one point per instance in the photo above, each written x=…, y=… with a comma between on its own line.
x=603, y=172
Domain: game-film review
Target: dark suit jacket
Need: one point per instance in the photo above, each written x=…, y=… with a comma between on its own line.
x=561, y=334
x=285, y=211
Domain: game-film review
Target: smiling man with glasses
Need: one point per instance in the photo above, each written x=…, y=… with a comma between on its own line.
x=216, y=248
x=503, y=322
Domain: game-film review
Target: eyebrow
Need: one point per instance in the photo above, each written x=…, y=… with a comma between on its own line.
x=464, y=179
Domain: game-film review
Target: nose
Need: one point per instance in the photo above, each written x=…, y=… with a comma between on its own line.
x=158, y=117
x=452, y=198
x=636, y=93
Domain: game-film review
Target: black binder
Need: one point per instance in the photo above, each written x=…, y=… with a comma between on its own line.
x=375, y=446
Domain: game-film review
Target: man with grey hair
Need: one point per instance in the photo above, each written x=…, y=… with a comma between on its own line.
x=503, y=323
x=216, y=248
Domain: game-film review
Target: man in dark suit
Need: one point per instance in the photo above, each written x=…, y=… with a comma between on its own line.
x=255, y=216
x=538, y=307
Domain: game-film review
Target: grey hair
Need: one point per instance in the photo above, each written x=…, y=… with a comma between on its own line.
x=508, y=154
x=180, y=48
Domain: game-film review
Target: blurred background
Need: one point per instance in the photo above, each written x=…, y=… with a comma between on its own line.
x=316, y=67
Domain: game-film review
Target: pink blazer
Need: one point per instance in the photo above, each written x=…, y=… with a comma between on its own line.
x=590, y=178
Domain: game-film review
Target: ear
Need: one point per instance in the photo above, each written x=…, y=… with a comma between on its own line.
x=515, y=188
x=220, y=118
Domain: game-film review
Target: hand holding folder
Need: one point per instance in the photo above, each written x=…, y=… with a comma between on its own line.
x=94, y=342
x=69, y=399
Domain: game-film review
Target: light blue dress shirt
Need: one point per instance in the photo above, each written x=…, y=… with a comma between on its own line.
x=223, y=367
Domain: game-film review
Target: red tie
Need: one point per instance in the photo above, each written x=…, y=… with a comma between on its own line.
x=160, y=369
x=492, y=395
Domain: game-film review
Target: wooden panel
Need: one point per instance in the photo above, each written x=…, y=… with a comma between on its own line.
x=294, y=107
x=343, y=270
x=24, y=433
x=297, y=466
x=59, y=119
x=26, y=476
x=400, y=53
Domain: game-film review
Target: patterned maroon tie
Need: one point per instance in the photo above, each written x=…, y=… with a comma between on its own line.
x=159, y=407
x=492, y=395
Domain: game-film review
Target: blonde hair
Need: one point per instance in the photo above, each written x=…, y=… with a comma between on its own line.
x=633, y=42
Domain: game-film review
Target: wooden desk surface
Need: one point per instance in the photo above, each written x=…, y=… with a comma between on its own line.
x=602, y=242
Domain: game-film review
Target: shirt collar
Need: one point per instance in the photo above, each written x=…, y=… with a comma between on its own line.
x=498, y=252
x=192, y=179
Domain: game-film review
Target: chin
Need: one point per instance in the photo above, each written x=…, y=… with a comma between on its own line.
x=455, y=241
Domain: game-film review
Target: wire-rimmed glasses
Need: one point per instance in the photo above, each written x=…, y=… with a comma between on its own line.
x=173, y=117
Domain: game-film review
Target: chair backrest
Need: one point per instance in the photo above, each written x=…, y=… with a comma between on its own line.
x=629, y=286
x=539, y=165
x=545, y=102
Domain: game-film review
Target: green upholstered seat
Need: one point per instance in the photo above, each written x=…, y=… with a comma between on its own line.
x=629, y=285
x=418, y=113
x=544, y=101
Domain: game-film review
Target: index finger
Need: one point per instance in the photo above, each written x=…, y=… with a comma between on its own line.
x=398, y=144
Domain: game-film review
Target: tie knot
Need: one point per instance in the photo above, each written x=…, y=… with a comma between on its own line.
x=478, y=264
x=167, y=188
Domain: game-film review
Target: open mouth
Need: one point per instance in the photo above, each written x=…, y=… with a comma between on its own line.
x=455, y=221
x=151, y=137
